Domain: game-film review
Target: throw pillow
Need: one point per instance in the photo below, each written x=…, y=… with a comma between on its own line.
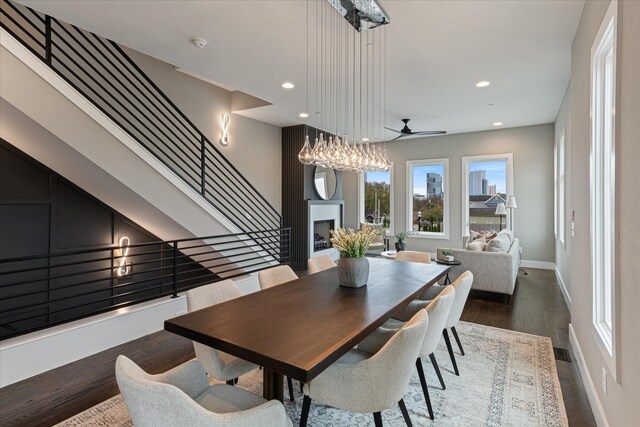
x=500, y=243
x=508, y=233
x=477, y=244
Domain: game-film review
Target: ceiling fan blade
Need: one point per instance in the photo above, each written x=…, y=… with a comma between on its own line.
x=398, y=137
x=430, y=132
x=392, y=130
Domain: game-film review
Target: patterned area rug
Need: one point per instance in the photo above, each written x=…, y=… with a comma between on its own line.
x=506, y=379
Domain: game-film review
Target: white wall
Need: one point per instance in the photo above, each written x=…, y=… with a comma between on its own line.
x=620, y=405
x=532, y=149
x=254, y=148
x=563, y=272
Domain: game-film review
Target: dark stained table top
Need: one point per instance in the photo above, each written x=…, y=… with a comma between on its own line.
x=301, y=327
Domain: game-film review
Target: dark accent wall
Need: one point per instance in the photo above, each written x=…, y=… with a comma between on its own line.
x=43, y=213
x=297, y=188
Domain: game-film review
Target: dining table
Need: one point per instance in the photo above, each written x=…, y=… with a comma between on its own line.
x=299, y=328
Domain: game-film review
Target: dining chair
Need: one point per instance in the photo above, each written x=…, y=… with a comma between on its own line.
x=276, y=276
x=273, y=277
x=414, y=256
x=182, y=396
x=364, y=382
x=462, y=286
x=438, y=311
x=219, y=365
x=319, y=263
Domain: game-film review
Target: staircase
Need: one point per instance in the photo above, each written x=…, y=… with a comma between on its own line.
x=105, y=76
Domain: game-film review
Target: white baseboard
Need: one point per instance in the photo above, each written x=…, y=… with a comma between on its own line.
x=563, y=289
x=543, y=265
x=596, y=406
x=32, y=354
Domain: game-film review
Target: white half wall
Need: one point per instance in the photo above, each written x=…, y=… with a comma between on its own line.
x=28, y=355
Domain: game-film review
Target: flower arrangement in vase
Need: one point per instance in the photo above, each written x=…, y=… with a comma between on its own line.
x=353, y=267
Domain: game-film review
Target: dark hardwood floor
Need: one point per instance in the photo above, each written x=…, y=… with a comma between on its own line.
x=537, y=308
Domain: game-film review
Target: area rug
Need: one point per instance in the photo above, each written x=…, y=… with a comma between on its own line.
x=506, y=379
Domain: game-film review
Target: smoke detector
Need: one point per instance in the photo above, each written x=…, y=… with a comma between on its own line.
x=198, y=42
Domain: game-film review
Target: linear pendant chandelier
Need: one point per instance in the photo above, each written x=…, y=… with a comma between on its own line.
x=349, y=71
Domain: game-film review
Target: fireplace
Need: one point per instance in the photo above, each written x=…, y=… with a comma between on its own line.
x=322, y=235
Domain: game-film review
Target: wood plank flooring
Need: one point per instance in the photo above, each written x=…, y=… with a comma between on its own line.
x=537, y=307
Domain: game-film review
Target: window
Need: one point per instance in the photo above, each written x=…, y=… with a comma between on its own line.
x=428, y=198
x=559, y=189
x=376, y=198
x=487, y=182
x=602, y=184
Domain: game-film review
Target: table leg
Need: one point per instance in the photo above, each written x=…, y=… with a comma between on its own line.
x=447, y=281
x=272, y=385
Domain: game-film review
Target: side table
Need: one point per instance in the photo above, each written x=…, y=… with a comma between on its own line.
x=447, y=281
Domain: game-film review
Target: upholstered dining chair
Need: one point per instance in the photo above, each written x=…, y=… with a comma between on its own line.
x=414, y=256
x=319, y=263
x=276, y=276
x=273, y=277
x=438, y=311
x=219, y=365
x=462, y=286
x=182, y=396
x=364, y=382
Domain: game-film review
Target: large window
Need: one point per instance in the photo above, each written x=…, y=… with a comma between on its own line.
x=487, y=182
x=376, y=198
x=559, y=189
x=602, y=184
x=428, y=198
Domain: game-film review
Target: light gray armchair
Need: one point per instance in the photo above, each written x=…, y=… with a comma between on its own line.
x=183, y=397
x=219, y=365
x=370, y=383
x=462, y=286
x=438, y=310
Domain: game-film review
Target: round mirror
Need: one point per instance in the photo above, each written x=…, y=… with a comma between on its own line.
x=325, y=182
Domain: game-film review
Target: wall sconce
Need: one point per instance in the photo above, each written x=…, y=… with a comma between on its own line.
x=225, y=130
x=124, y=268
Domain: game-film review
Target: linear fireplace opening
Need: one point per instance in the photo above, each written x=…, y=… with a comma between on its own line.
x=322, y=235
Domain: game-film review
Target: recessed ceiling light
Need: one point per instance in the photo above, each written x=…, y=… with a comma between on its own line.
x=304, y=115
x=497, y=124
x=483, y=83
x=288, y=85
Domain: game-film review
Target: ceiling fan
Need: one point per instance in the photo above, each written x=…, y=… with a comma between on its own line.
x=405, y=131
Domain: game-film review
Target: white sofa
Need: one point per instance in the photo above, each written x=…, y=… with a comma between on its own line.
x=492, y=271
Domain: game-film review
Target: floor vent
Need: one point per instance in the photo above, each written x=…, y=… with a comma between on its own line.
x=562, y=354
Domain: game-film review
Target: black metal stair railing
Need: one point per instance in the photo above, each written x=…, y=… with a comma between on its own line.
x=103, y=73
x=40, y=291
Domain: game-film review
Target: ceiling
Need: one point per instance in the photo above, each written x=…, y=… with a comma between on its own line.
x=437, y=51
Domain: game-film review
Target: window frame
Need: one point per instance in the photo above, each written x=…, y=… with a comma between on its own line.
x=603, y=198
x=391, y=202
x=559, y=189
x=466, y=161
x=443, y=235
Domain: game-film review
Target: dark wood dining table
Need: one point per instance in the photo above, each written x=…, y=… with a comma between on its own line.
x=300, y=328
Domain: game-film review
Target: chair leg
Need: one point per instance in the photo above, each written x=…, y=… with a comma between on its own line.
x=453, y=357
x=306, y=405
x=230, y=382
x=377, y=419
x=455, y=335
x=437, y=369
x=290, y=386
x=423, y=382
x=405, y=413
